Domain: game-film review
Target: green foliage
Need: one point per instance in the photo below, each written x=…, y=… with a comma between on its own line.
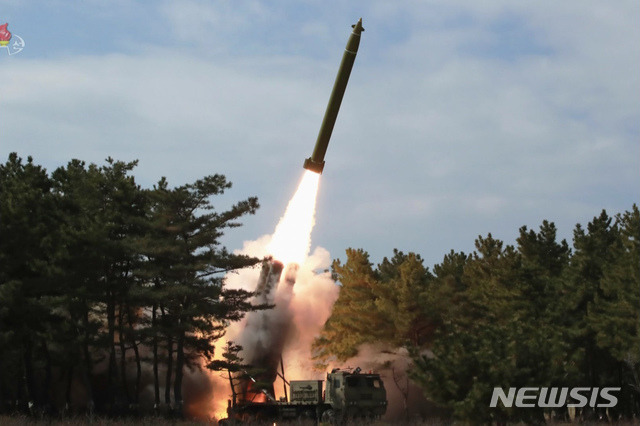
x=93, y=268
x=186, y=262
x=354, y=319
x=614, y=314
x=401, y=279
x=375, y=305
x=231, y=360
x=536, y=314
x=99, y=276
x=28, y=233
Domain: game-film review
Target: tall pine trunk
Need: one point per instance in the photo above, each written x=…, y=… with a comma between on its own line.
x=234, y=395
x=67, y=393
x=123, y=355
x=28, y=371
x=45, y=398
x=2, y=395
x=177, y=386
x=20, y=390
x=156, y=381
x=111, y=326
x=88, y=363
x=167, y=382
x=136, y=352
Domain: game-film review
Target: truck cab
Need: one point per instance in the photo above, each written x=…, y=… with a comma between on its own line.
x=354, y=394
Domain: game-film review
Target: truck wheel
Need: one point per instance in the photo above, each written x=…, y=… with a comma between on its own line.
x=329, y=416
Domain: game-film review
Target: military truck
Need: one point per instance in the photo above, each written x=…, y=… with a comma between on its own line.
x=345, y=394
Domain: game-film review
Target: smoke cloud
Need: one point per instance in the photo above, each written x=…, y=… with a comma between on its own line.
x=406, y=399
x=300, y=311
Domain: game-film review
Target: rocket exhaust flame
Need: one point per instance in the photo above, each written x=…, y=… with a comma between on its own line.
x=269, y=329
x=292, y=238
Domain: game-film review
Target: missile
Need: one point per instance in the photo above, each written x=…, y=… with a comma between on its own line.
x=315, y=163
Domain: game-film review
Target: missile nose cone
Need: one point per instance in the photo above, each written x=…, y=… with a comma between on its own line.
x=357, y=27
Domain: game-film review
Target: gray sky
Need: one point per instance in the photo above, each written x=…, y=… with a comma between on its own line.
x=460, y=118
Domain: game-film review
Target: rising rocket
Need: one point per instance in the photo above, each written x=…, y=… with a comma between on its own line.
x=315, y=163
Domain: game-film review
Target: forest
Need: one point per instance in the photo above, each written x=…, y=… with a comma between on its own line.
x=100, y=278
x=537, y=314
x=105, y=285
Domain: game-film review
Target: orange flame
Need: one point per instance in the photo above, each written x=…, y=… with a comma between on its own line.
x=292, y=238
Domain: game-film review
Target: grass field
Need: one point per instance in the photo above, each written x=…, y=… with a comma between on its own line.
x=83, y=420
x=157, y=421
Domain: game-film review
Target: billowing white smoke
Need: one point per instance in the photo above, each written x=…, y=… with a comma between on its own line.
x=309, y=306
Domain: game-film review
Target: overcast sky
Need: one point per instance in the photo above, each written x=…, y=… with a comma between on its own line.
x=461, y=118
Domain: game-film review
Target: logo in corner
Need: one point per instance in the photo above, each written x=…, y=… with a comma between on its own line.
x=557, y=397
x=5, y=40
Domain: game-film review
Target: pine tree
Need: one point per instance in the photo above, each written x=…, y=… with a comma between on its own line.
x=28, y=222
x=403, y=280
x=355, y=318
x=442, y=299
x=473, y=350
x=541, y=344
x=593, y=252
x=232, y=363
x=104, y=212
x=187, y=263
x=614, y=314
x=76, y=186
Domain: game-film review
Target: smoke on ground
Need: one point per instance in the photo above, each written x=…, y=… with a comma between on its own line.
x=406, y=399
x=300, y=313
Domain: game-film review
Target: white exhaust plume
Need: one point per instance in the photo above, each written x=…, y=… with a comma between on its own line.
x=304, y=307
x=292, y=238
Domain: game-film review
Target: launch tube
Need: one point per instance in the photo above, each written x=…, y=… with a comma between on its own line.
x=315, y=163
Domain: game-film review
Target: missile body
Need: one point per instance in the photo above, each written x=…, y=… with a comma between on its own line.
x=315, y=163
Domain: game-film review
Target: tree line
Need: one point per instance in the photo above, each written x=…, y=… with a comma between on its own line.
x=106, y=286
x=537, y=314
x=104, y=283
